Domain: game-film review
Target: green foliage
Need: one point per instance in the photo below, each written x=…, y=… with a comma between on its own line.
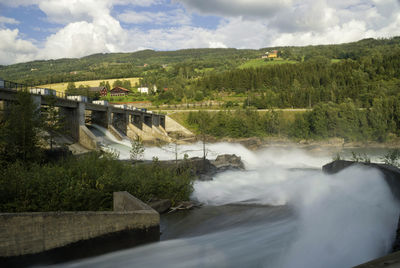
x=326, y=120
x=392, y=157
x=87, y=183
x=53, y=122
x=337, y=157
x=348, y=121
x=137, y=149
x=358, y=157
x=237, y=124
x=19, y=130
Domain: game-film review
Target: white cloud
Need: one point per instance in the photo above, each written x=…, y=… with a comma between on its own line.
x=87, y=26
x=83, y=38
x=144, y=3
x=13, y=49
x=16, y=3
x=66, y=11
x=5, y=20
x=174, y=17
x=251, y=8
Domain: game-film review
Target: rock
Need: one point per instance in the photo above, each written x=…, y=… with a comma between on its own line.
x=251, y=143
x=336, y=166
x=204, y=177
x=228, y=161
x=200, y=166
x=160, y=206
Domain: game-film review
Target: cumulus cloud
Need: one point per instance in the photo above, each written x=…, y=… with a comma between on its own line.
x=66, y=11
x=5, y=20
x=93, y=26
x=174, y=17
x=16, y=3
x=250, y=8
x=13, y=49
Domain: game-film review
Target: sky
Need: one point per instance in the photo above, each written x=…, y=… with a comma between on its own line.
x=52, y=29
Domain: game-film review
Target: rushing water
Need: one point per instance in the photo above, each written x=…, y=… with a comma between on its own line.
x=281, y=212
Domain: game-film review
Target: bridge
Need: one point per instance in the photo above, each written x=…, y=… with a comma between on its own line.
x=77, y=111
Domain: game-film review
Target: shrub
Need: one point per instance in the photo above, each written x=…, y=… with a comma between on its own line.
x=87, y=183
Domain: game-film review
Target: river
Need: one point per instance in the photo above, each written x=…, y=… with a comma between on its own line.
x=282, y=211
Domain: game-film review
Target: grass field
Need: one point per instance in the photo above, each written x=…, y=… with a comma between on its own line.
x=61, y=87
x=262, y=62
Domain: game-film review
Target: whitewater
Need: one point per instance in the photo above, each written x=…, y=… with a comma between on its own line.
x=282, y=211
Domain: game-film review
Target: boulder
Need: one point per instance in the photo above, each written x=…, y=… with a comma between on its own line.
x=227, y=162
x=160, y=206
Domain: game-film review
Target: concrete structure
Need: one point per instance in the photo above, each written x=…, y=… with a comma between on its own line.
x=172, y=127
x=119, y=119
x=144, y=90
x=23, y=234
x=392, y=178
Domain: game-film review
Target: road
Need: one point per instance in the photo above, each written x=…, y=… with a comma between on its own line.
x=216, y=110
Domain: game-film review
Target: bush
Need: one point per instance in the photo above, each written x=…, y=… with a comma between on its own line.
x=87, y=183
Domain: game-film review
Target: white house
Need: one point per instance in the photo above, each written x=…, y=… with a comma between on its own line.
x=143, y=90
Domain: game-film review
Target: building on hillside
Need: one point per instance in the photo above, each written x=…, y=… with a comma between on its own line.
x=101, y=90
x=273, y=54
x=119, y=91
x=270, y=54
x=143, y=90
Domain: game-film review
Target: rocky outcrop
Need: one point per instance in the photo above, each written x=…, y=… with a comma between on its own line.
x=391, y=173
x=227, y=162
x=204, y=169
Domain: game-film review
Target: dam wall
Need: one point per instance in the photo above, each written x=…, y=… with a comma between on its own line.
x=46, y=236
x=392, y=176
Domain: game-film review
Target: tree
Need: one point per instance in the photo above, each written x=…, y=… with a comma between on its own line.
x=203, y=121
x=52, y=120
x=71, y=88
x=137, y=150
x=117, y=83
x=19, y=131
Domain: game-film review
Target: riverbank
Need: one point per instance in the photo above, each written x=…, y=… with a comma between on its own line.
x=256, y=143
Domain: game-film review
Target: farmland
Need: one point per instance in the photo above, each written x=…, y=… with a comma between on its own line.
x=61, y=87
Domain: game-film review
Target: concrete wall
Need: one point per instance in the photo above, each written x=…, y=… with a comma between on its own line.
x=115, y=133
x=87, y=139
x=30, y=233
x=174, y=127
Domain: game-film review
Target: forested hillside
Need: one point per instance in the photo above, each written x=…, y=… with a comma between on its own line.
x=122, y=65
x=313, y=81
x=299, y=77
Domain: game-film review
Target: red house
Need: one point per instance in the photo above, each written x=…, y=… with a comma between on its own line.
x=101, y=90
x=119, y=91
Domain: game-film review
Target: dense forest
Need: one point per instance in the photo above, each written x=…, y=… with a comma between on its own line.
x=380, y=122
x=362, y=76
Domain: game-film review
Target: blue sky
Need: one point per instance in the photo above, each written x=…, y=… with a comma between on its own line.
x=51, y=29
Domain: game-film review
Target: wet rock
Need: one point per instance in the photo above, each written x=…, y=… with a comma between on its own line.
x=227, y=162
x=160, y=206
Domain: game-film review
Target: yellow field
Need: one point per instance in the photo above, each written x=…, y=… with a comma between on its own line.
x=61, y=87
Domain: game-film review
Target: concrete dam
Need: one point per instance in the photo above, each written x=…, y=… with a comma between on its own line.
x=76, y=111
